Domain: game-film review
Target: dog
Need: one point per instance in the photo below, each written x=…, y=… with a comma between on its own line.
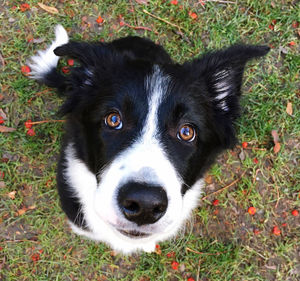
x=141, y=131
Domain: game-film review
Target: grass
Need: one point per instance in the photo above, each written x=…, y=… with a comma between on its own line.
x=219, y=243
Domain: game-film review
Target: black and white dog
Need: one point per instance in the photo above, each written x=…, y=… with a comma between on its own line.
x=141, y=131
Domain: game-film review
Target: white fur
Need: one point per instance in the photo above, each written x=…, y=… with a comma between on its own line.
x=223, y=88
x=46, y=60
x=146, y=161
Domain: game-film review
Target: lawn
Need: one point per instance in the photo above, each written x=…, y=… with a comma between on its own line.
x=223, y=241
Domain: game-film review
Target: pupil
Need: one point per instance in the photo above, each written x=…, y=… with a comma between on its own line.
x=114, y=119
x=185, y=131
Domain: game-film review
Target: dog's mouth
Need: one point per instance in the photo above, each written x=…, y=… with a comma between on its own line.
x=134, y=234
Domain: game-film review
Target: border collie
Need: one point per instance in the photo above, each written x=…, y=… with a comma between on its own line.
x=141, y=131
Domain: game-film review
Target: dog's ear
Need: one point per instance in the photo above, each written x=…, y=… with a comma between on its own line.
x=86, y=53
x=221, y=76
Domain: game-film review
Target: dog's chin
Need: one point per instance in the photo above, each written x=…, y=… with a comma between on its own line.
x=124, y=240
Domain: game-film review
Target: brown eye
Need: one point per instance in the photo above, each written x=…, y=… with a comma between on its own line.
x=113, y=120
x=186, y=133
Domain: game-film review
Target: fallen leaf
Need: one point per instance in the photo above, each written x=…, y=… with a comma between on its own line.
x=276, y=147
x=273, y=267
x=2, y=184
x=276, y=141
x=4, y=129
x=208, y=179
x=275, y=136
x=38, y=40
x=145, y=2
x=24, y=210
x=2, y=114
x=51, y=10
x=2, y=60
x=283, y=50
x=12, y=195
x=289, y=108
x=242, y=155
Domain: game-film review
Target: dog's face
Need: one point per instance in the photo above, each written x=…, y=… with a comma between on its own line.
x=140, y=135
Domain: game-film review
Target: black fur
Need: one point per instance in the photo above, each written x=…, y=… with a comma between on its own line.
x=119, y=70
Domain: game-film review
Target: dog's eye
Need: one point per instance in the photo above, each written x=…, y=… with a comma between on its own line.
x=113, y=120
x=186, y=133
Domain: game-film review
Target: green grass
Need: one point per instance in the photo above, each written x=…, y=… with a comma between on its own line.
x=219, y=243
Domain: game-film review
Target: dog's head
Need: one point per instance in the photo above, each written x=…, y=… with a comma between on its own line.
x=141, y=132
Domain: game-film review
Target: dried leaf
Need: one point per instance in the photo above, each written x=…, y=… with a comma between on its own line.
x=2, y=114
x=145, y=2
x=242, y=155
x=51, y=10
x=283, y=50
x=21, y=211
x=4, y=129
x=275, y=136
x=2, y=184
x=38, y=40
x=289, y=108
x=12, y=195
x=208, y=179
x=276, y=147
x=24, y=210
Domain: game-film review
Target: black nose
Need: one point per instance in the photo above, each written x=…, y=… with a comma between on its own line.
x=142, y=203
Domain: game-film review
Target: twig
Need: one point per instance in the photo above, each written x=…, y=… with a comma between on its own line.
x=225, y=187
x=17, y=241
x=203, y=253
x=38, y=94
x=198, y=269
x=161, y=19
x=139, y=27
x=45, y=121
x=218, y=1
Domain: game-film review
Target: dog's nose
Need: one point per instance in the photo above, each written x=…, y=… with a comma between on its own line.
x=142, y=203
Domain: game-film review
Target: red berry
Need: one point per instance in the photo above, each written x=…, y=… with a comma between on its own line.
x=35, y=257
x=28, y=124
x=174, y=2
x=276, y=231
x=99, y=20
x=175, y=265
x=193, y=15
x=25, y=69
x=244, y=144
x=256, y=231
x=157, y=246
x=171, y=254
x=2, y=175
x=295, y=213
x=31, y=132
x=65, y=69
x=292, y=43
x=24, y=7
x=284, y=224
x=70, y=62
x=216, y=202
x=255, y=161
x=191, y=279
x=252, y=210
x=1, y=120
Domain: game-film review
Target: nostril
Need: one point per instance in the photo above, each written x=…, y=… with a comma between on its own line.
x=157, y=210
x=131, y=206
